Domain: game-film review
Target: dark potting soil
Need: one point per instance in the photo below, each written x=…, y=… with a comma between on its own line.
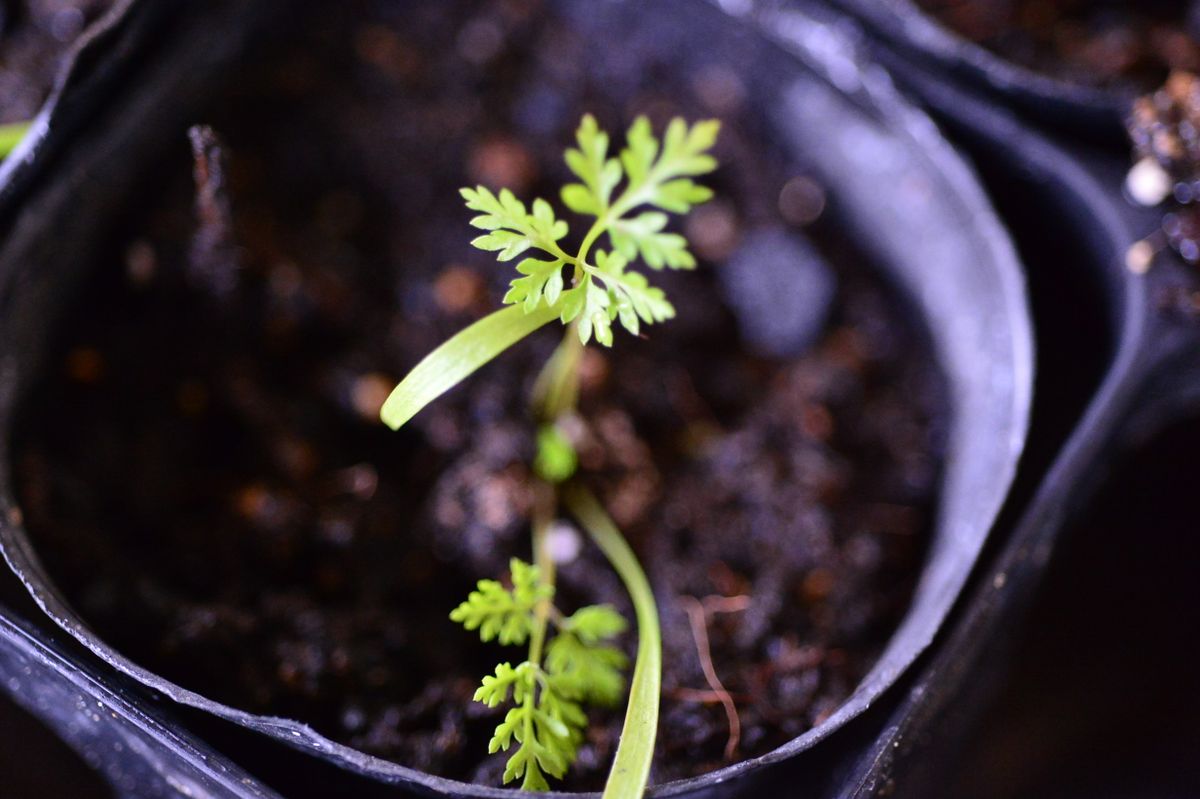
x=205, y=477
x=1097, y=42
x=35, y=38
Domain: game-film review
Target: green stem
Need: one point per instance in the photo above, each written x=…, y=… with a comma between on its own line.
x=599, y=226
x=629, y=199
x=543, y=516
x=556, y=391
x=631, y=766
x=551, y=246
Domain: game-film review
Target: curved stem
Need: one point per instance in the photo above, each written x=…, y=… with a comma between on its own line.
x=599, y=226
x=631, y=766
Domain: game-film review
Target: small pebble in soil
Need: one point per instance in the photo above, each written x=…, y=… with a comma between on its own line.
x=1147, y=183
x=502, y=162
x=563, y=542
x=368, y=394
x=782, y=290
x=720, y=88
x=458, y=288
x=801, y=201
x=85, y=365
x=141, y=262
x=713, y=230
x=1139, y=257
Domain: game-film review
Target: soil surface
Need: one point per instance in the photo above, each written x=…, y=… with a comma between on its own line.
x=35, y=39
x=205, y=477
x=1098, y=42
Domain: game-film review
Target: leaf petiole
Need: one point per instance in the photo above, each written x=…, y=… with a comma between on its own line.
x=631, y=767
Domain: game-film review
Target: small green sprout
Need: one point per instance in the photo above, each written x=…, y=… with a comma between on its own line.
x=547, y=721
x=587, y=291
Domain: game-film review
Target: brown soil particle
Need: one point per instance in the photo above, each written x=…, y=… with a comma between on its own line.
x=204, y=477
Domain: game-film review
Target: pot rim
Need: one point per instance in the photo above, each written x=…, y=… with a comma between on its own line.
x=21, y=163
x=902, y=22
x=1125, y=396
x=120, y=715
x=826, y=53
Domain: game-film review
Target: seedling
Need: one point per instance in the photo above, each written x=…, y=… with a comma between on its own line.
x=587, y=291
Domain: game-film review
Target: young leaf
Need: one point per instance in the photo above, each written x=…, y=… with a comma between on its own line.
x=577, y=661
x=543, y=279
x=528, y=587
x=643, y=235
x=599, y=173
x=524, y=762
x=495, y=612
x=459, y=357
x=495, y=689
x=662, y=176
x=498, y=612
x=506, y=730
x=641, y=148
x=586, y=671
x=678, y=196
x=595, y=623
x=632, y=296
x=546, y=725
x=592, y=304
x=513, y=229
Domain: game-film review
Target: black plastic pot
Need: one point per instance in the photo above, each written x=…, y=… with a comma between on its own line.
x=1150, y=381
x=136, y=750
x=1123, y=361
x=1087, y=112
x=894, y=183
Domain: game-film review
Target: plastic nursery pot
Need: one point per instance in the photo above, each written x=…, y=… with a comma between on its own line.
x=137, y=751
x=917, y=41
x=1141, y=345
x=894, y=186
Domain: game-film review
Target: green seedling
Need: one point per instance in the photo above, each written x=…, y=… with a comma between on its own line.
x=571, y=661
